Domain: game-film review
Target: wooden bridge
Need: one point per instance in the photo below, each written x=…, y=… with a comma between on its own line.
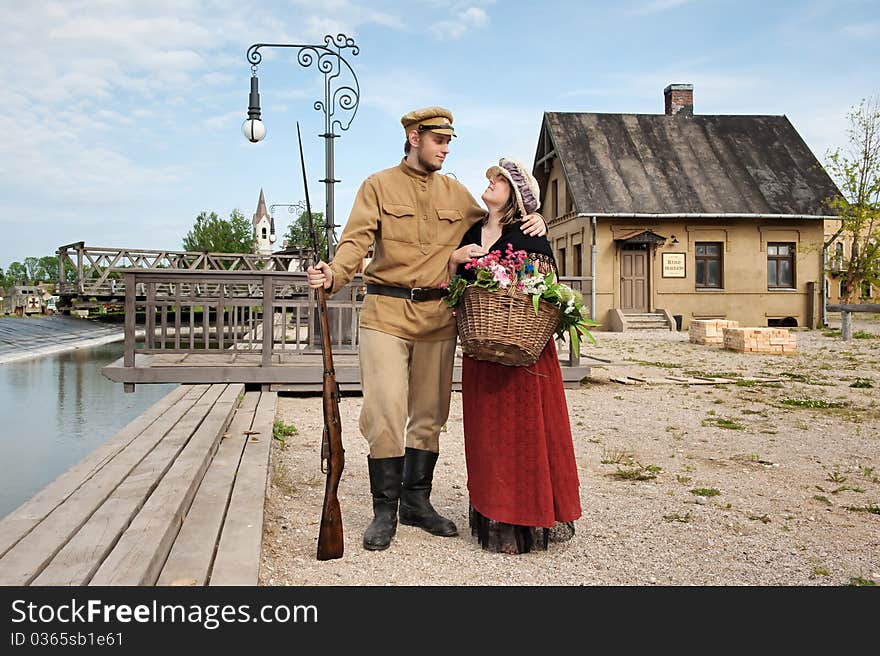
x=253, y=327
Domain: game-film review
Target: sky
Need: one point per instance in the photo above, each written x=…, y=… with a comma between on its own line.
x=121, y=120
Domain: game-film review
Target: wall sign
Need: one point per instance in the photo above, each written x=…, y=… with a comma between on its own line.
x=674, y=265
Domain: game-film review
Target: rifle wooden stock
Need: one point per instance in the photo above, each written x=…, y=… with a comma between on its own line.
x=330, y=540
x=330, y=543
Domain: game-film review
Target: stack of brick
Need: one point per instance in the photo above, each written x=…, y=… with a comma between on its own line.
x=709, y=331
x=760, y=340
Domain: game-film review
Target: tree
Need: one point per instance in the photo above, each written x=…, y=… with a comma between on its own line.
x=47, y=268
x=32, y=265
x=216, y=235
x=298, y=232
x=856, y=170
x=16, y=274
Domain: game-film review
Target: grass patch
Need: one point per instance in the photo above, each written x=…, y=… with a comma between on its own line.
x=864, y=334
x=813, y=403
x=705, y=492
x=821, y=571
x=862, y=383
x=872, y=508
x=844, y=488
x=722, y=422
x=675, y=517
x=637, y=472
x=803, y=378
x=835, y=477
x=650, y=363
x=859, y=581
x=616, y=457
x=281, y=431
x=823, y=499
x=696, y=373
x=684, y=480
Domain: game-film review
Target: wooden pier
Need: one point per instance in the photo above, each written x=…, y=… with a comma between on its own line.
x=174, y=498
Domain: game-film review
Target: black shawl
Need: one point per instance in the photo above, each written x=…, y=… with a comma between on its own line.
x=537, y=248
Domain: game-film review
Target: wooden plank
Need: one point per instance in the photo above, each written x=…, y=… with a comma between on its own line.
x=138, y=556
x=19, y=522
x=77, y=562
x=23, y=562
x=238, y=553
x=189, y=562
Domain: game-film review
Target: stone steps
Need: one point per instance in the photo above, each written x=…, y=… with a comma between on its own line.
x=646, y=321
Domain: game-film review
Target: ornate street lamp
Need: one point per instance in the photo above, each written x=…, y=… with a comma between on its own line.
x=340, y=103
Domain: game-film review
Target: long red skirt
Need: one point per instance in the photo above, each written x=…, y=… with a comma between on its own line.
x=517, y=438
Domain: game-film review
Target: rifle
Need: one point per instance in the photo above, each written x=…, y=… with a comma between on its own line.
x=330, y=543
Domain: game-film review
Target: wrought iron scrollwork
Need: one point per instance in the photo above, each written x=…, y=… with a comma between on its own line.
x=340, y=103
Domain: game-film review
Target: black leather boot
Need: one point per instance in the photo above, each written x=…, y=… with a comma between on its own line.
x=415, y=504
x=385, y=477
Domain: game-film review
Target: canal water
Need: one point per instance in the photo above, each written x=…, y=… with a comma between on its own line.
x=56, y=409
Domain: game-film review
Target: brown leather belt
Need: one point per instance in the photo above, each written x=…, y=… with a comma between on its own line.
x=416, y=294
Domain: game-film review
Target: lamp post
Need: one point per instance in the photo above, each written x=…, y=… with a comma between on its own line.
x=293, y=208
x=339, y=105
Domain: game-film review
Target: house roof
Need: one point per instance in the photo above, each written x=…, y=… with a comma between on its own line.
x=704, y=164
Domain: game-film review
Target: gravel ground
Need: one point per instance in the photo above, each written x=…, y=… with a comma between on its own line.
x=789, y=479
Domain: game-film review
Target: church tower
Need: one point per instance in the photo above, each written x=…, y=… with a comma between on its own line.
x=264, y=228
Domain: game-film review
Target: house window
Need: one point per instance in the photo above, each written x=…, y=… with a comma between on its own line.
x=780, y=266
x=843, y=290
x=866, y=289
x=578, y=268
x=560, y=262
x=555, y=196
x=264, y=233
x=709, y=264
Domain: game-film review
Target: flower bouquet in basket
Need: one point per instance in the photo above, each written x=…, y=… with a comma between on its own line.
x=510, y=311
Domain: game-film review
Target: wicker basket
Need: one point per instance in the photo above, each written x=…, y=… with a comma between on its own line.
x=502, y=327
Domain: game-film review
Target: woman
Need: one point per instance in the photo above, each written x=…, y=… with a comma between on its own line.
x=522, y=475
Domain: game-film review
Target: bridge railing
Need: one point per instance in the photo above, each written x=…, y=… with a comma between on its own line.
x=266, y=313
x=98, y=271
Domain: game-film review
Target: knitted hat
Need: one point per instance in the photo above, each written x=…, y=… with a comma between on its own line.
x=525, y=187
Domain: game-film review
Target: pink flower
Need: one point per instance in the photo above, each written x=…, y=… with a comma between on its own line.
x=444, y=285
x=501, y=276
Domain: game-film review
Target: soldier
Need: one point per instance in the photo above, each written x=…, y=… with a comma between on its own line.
x=414, y=218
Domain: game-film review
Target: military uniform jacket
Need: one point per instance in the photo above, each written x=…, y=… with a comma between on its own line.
x=415, y=221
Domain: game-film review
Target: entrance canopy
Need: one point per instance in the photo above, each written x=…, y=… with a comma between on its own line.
x=641, y=237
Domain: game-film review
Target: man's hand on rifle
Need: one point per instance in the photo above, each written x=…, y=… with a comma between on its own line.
x=320, y=275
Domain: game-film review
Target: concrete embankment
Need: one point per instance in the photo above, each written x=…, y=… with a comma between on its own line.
x=31, y=337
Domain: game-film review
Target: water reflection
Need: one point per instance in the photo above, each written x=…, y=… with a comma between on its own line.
x=56, y=409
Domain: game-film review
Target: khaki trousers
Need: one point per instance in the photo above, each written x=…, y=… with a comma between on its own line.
x=407, y=386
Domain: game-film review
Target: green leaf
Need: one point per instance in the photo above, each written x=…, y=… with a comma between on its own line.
x=574, y=340
x=535, y=300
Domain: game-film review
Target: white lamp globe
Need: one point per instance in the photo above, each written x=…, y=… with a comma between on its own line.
x=253, y=130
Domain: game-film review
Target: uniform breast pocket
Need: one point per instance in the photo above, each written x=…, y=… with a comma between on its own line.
x=449, y=230
x=399, y=222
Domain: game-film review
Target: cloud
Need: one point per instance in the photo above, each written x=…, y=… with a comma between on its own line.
x=861, y=30
x=467, y=20
x=657, y=6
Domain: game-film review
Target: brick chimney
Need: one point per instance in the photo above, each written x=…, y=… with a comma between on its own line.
x=679, y=99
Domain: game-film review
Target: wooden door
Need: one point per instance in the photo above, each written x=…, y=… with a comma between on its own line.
x=633, y=281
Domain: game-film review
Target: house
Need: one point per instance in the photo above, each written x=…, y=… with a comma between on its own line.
x=264, y=228
x=837, y=256
x=671, y=217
